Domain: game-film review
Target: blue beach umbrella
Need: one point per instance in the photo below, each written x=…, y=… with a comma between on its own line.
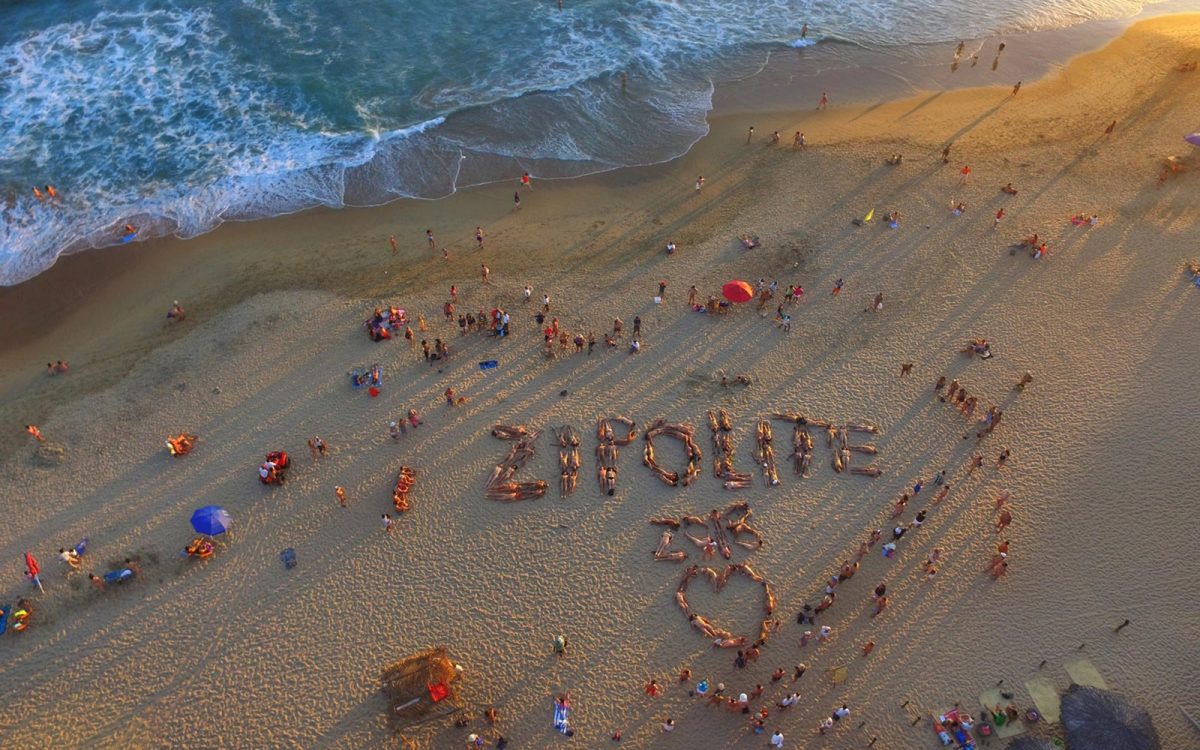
x=211, y=520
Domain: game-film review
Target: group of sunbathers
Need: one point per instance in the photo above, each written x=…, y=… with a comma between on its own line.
x=381, y=324
x=404, y=482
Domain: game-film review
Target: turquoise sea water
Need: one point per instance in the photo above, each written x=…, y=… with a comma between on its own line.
x=175, y=116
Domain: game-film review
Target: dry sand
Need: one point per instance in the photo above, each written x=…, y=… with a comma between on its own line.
x=238, y=652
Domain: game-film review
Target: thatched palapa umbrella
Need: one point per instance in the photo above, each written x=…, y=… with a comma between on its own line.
x=421, y=686
x=1097, y=719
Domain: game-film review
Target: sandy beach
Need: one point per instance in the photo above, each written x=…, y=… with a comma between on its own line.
x=237, y=651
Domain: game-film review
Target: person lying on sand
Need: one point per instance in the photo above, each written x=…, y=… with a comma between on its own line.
x=181, y=444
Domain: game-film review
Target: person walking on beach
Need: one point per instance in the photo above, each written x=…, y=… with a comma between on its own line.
x=479, y=236
x=749, y=135
x=486, y=273
x=388, y=524
x=516, y=201
x=824, y=101
x=637, y=326
x=526, y=181
x=699, y=183
x=946, y=153
x=429, y=238
x=1025, y=380
x=964, y=174
x=341, y=495
x=999, y=216
x=662, y=289
x=317, y=448
x=798, y=140
x=1016, y=88
x=1004, y=521
x=392, y=242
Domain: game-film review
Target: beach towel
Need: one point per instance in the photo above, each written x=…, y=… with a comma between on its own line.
x=118, y=576
x=4, y=610
x=288, y=557
x=1083, y=672
x=1045, y=697
x=561, y=713
x=490, y=364
x=989, y=699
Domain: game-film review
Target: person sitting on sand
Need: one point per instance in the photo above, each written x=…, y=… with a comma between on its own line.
x=893, y=219
x=749, y=243
x=176, y=312
x=57, y=368
x=199, y=547
x=181, y=444
x=895, y=159
x=1009, y=189
x=635, y=346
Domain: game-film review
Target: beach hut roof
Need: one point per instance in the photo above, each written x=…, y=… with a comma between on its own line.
x=1097, y=719
x=407, y=683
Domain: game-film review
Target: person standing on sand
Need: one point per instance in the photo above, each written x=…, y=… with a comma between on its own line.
x=479, y=236
x=1004, y=456
x=964, y=174
x=749, y=135
x=999, y=216
x=528, y=294
x=516, y=201
x=392, y=242
x=429, y=238
x=341, y=495
x=637, y=326
x=946, y=153
x=388, y=524
x=798, y=140
x=699, y=183
x=837, y=288
x=824, y=101
x=526, y=181
x=486, y=273
x=976, y=462
x=692, y=292
x=591, y=342
x=905, y=368
x=1016, y=88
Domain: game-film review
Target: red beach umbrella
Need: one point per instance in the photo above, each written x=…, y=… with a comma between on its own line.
x=738, y=291
x=32, y=568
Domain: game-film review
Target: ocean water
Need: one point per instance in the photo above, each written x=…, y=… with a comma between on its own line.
x=176, y=116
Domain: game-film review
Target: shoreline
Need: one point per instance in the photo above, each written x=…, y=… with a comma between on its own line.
x=768, y=92
x=857, y=74
x=260, y=363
